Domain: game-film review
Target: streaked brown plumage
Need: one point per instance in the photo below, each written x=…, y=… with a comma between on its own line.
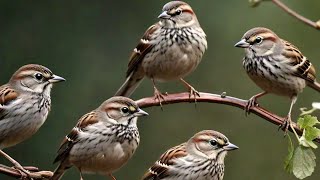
x=276, y=66
x=24, y=105
x=103, y=140
x=201, y=157
x=169, y=50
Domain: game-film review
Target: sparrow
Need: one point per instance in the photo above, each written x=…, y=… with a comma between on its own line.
x=200, y=158
x=103, y=140
x=276, y=66
x=24, y=106
x=169, y=50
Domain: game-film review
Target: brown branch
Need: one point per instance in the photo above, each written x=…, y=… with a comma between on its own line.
x=35, y=173
x=296, y=15
x=171, y=99
x=219, y=99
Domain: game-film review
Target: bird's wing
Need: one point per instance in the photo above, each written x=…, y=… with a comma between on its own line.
x=304, y=68
x=160, y=169
x=72, y=137
x=141, y=49
x=7, y=95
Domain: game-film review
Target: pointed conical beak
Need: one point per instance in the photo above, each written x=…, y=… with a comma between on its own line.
x=242, y=44
x=164, y=15
x=230, y=147
x=55, y=79
x=141, y=112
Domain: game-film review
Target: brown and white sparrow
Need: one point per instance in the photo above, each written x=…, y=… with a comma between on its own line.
x=276, y=66
x=169, y=50
x=103, y=140
x=201, y=158
x=24, y=105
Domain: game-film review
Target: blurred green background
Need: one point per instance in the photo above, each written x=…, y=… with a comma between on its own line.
x=89, y=43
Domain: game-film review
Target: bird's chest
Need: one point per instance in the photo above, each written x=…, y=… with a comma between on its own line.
x=105, y=161
x=104, y=151
x=273, y=76
x=175, y=55
x=23, y=117
x=193, y=169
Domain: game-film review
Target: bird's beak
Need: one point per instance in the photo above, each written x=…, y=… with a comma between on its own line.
x=141, y=112
x=242, y=44
x=55, y=79
x=230, y=147
x=164, y=15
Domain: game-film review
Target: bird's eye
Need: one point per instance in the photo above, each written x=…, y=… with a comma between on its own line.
x=178, y=11
x=258, y=40
x=213, y=142
x=38, y=76
x=125, y=110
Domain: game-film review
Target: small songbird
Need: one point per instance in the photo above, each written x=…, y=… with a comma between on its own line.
x=169, y=50
x=24, y=105
x=201, y=158
x=276, y=66
x=103, y=140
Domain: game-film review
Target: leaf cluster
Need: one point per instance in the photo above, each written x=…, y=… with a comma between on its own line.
x=301, y=160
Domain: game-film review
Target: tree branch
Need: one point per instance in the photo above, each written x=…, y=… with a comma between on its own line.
x=35, y=173
x=171, y=99
x=219, y=99
x=313, y=24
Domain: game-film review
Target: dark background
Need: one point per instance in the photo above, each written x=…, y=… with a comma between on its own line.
x=89, y=43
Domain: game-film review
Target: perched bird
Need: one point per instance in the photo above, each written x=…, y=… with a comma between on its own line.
x=103, y=140
x=169, y=50
x=201, y=158
x=276, y=66
x=24, y=105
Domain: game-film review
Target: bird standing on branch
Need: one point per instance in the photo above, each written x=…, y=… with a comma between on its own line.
x=276, y=66
x=169, y=50
x=24, y=106
x=103, y=140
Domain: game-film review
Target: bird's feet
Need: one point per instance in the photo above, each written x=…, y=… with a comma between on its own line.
x=25, y=174
x=192, y=91
x=30, y=173
x=158, y=96
x=286, y=124
x=251, y=103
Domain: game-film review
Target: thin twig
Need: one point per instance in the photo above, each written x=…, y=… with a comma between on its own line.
x=219, y=99
x=295, y=14
x=36, y=174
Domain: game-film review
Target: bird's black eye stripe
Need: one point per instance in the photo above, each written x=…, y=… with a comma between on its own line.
x=125, y=110
x=38, y=76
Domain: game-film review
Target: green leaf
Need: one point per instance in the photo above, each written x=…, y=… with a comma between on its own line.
x=312, y=133
x=288, y=161
x=307, y=121
x=303, y=162
x=309, y=132
x=306, y=143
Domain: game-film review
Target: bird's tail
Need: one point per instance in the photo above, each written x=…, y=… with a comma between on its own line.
x=58, y=173
x=315, y=85
x=131, y=83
